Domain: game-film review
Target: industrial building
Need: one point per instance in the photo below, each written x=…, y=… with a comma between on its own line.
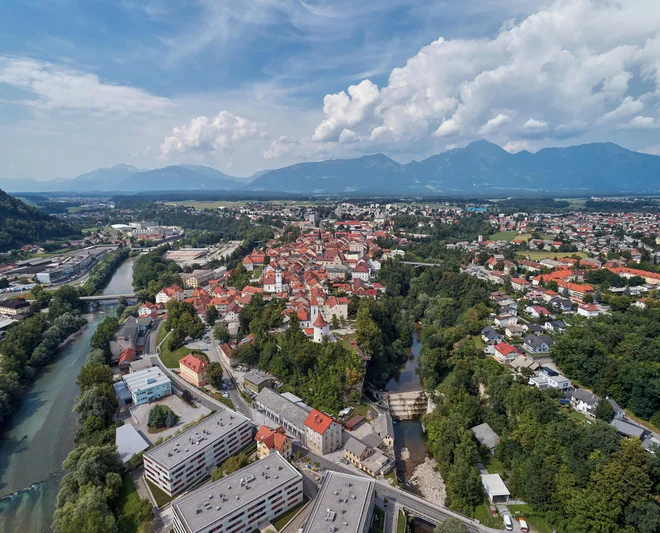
x=182, y=461
x=65, y=267
x=283, y=411
x=238, y=503
x=148, y=385
x=344, y=504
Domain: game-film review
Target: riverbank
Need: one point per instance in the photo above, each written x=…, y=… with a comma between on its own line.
x=429, y=482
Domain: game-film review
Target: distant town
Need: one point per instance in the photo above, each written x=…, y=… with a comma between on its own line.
x=363, y=366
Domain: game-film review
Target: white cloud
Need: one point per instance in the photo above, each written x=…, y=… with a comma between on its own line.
x=58, y=87
x=571, y=66
x=651, y=150
x=344, y=111
x=494, y=124
x=517, y=146
x=642, y=122
x=220, y=133
x=535, y=125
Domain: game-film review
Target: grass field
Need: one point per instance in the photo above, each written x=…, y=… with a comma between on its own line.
x=401, y=524
x=537, y=521
x=160, y=496
x=285, y=518
x=129, y=501
x=508, y=236
x=378, y=521
x=171, y=359
x=542, y=254
x=482, y=514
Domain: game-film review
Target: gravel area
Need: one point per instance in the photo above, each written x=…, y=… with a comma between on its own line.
x=427, y=479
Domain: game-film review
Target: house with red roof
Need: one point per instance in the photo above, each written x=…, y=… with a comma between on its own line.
x=506, y=353
x=272, y=440
x=193, y=370
x=168, y=293
x=125, y=359
x=322, y=432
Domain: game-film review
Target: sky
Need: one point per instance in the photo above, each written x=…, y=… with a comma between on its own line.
x=249, y=85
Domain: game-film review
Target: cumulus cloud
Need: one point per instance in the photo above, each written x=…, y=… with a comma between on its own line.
x=518, y=146
x=642, y=122
x=494, y=124
x=221, y=133
x=569, y=68
x=59, y=87
x=535, y=125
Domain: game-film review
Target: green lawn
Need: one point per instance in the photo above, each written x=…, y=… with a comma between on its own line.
x=494, y=466
x=505, y=236
x=222, y=399
x=478, y=342
x=361, y=409
x=171, y=359
x=128, y=506
x=482, y=513
x=401, y=524
x=536, y=520
x=377, y=521
x=284, y=519
x=161, y=497
x=537, y=255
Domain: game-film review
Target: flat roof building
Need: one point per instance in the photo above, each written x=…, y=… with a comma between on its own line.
x=186, y=458
x=344, y=502
x=129, y=442
x=241, y=501
x=148, y=385
x=495, y=488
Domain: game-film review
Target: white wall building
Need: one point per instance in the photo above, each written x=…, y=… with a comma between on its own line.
x=322, y=433
x=182, y=461
x=240, y=502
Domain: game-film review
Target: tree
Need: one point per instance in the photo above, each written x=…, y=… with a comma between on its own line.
x=187, y=397
x=94, y=374
x=162, y=416
x=211, y=315
x=588, y=298
x=452, y=525
x=221, y=333
x=96, y=357
x=215, y=374
x=99, y=401
x=604, y=410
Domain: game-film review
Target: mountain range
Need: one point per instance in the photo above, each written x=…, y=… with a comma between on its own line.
x=481, y=167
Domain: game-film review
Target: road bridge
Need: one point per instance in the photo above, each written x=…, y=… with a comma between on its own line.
x=418, y=264
x=106, y=297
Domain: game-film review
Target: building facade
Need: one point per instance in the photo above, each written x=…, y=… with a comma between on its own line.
x=240, y=502
x=193, y=370
x=182, y=461
x=148, y=385
x=322, y=433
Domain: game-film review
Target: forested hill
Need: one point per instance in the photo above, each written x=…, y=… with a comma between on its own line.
x=21, y=224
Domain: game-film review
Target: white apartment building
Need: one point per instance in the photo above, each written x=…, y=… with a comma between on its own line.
x=183, y=460
x=240, y=502
x=322, y=433
x=344, y=504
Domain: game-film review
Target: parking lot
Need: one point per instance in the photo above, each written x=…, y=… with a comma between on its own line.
x=185, y=412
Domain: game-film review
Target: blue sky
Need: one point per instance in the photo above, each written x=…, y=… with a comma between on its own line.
x=254, y=84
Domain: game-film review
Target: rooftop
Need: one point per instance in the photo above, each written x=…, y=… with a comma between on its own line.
x=129, y=442
x=189, y=442
x=145, y=379
x=292, y=412
x=202, y=508
x=343, y=502
x=318, y=421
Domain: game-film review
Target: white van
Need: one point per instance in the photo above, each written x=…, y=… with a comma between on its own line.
x=508, y=524
x=523, y=525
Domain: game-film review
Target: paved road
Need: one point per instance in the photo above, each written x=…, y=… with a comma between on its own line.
x=427, y=510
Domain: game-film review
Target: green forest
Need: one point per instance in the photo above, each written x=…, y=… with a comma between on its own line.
x=22, y=224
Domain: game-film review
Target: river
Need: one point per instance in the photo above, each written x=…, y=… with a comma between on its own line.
x=408, y=433
x=43, y=429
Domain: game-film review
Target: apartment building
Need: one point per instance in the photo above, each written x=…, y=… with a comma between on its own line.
x=182, y=461
x=322, y=432
x=240, y=502
x=344, y=503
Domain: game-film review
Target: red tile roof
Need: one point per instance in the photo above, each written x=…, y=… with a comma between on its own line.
x=318, y=421
x=193, y=363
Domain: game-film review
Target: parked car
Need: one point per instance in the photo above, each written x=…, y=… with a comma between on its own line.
x=523, y=525
x=508, y=524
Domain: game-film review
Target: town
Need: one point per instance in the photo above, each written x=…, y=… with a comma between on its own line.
x=269, y=366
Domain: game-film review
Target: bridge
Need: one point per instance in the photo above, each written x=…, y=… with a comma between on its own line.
x=106, y=297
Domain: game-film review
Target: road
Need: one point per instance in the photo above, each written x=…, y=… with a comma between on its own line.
x=414, y=504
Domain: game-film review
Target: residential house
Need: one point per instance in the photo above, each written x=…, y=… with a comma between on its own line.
x=520, y=284
x=505, y=353
x=486, y=436
x=537, y=343
x=514, y=331
x=373, y=462
x=522, y=361
x=502, y=321
x=556, y=326
x=168, y=293
x=548, y=378
x=490, y=336
x=272, y=441
x=589, y=310
x=255, y=382
x=125, y=337
x=536, y=311
x=322, y=432
x=384, y=428
x=583, y=401
x=193, y=370
x=13, y=307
